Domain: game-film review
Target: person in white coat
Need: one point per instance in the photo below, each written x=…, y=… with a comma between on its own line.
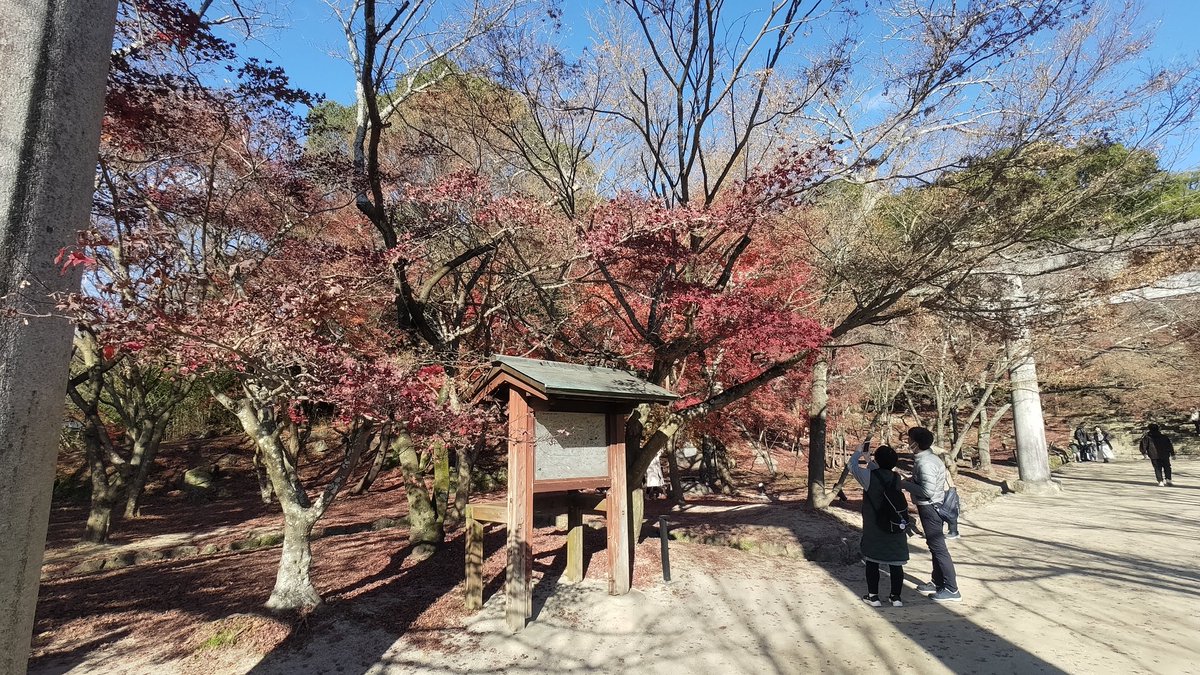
x=654, y=478
x=1103, y=444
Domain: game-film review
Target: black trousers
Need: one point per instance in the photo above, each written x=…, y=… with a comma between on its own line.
x=943, y=565
x=1162, y=466
x=896, y=572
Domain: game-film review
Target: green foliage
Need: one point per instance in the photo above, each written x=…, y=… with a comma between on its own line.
x=331, y=124
x=330, y=129
x=1091, y=189
x=198, y=415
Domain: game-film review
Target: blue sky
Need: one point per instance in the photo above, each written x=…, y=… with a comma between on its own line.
x=306, y=34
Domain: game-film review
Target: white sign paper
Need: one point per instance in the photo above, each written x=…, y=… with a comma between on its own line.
x=570, y=445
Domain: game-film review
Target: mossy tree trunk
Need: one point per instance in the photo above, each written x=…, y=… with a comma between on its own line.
x=425, y=531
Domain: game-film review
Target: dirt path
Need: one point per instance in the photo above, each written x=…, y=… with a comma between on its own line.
x=1101, y=579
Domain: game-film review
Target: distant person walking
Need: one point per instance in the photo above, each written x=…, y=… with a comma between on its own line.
x=928, y=489
x=1195, y=419
x=880, y=546
x=1158, y=448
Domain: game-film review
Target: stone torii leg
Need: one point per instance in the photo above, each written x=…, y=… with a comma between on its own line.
x=56, y=56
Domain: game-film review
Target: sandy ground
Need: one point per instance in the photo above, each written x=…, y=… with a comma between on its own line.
x=1100, y=579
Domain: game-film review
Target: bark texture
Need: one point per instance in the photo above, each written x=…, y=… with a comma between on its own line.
x=425, y=532
x=54, y=59
x=279, y=456
x=817, y=414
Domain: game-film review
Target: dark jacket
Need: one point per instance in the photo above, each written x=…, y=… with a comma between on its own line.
x=877, y=544
x=1081, y=436
x=1157, y=446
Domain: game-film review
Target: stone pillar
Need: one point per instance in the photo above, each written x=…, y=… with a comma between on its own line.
x=54, y=57
x=1029, y=425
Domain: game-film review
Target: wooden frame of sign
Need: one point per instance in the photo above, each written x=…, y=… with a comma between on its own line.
x=566, y=433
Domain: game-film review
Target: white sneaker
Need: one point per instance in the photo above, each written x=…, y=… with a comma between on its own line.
x=1161, y=484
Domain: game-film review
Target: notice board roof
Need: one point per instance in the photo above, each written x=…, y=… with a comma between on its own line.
x=552, y=379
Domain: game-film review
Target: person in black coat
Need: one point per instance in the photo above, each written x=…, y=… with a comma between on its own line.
x=1082, y=442
x=878, y=546
x=1159, y=449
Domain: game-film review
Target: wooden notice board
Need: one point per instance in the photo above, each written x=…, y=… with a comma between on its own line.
x=566, y=438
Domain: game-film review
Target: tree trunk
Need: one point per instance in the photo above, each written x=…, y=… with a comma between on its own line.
x=765, y=449
x=817, y=414
x=441, y=484
x=980, y=407
x=99, y=521
x=985, y=436
x=721, y=463
x=707, y=456
x=637, y=513
x=137, y=485
x=466, y=475
x=266, y=492
x=939, y=422
x=144, y=452
x=293, y=585
x=912, y=409
x=425, y=532
x=105, y=488
x=104, y=498
x=293, y=582
x=984, y=444
x=368, y=479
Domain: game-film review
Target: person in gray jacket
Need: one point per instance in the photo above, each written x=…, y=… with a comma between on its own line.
x=879, y=547
x=928, y=489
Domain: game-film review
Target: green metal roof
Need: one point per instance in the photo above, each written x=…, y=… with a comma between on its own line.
x=569, y=380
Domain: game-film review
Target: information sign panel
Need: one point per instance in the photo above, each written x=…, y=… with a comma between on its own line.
x=570, y=445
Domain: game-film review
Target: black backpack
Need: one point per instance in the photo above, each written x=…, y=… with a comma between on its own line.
x=891, y=515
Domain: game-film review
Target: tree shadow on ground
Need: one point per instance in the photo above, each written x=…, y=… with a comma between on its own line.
x=960, y=644
x=65, y=662
x=390, y=596
x=415, y=600
x=1148, y=483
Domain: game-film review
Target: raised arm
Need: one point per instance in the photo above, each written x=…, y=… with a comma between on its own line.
x=862, y=474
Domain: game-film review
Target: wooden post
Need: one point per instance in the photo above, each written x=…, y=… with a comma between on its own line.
x=518, y=595
x=527, y=504
x=574, y=572
x=474, y=599
x=617, y=517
